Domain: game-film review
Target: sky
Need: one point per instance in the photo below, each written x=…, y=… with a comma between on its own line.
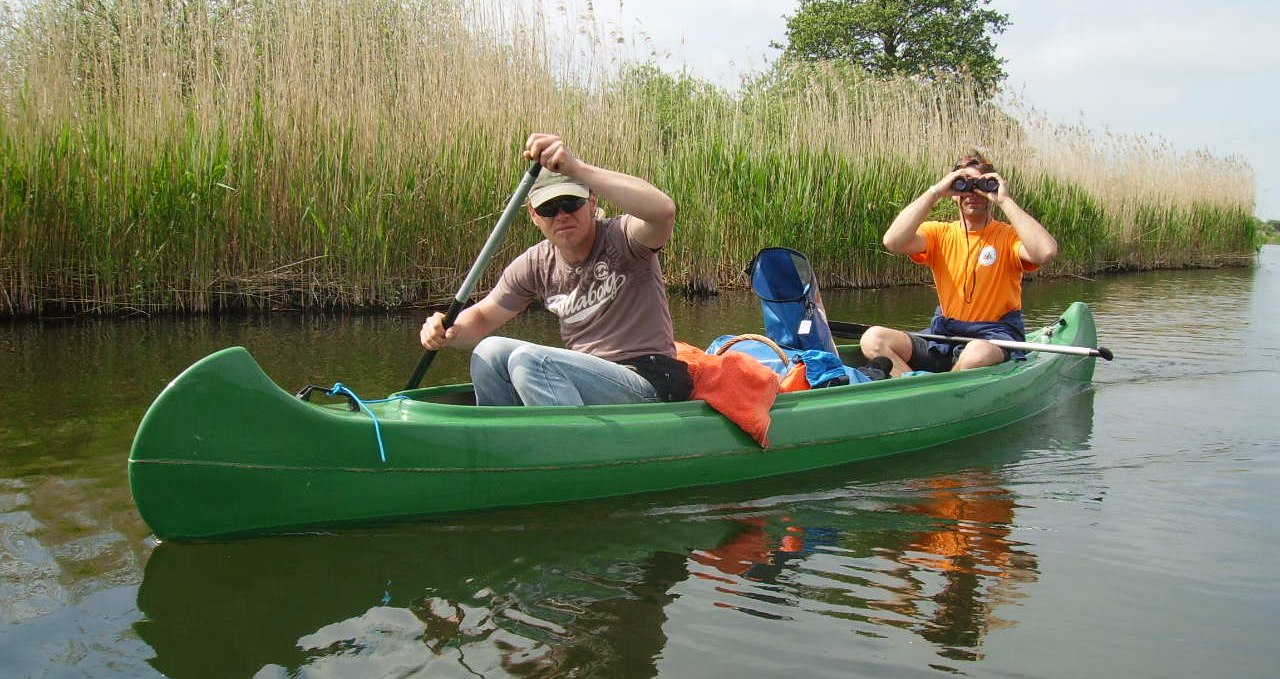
x=1200, y=75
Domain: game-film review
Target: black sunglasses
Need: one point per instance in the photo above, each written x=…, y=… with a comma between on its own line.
x=553, y=207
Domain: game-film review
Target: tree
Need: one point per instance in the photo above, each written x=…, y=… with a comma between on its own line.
x=900, y=37
x=1270, y=231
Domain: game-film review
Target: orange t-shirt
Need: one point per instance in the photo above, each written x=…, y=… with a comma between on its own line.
x=978, y=274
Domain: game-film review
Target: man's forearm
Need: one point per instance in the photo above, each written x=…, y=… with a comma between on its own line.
x=902, y=234
x=629, y=194
x=1039, y=244
x=473, y=325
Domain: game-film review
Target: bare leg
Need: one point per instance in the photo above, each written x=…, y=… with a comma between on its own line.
x=978, y=354
x=892, y=344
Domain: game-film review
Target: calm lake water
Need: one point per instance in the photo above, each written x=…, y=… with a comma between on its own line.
x=1129, y=532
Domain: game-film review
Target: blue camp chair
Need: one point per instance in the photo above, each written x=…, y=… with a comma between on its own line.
x=789, y=300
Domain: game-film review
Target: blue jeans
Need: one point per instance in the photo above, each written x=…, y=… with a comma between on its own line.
x=508, y=372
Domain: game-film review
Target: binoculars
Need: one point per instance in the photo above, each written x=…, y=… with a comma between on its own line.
x=968, y=184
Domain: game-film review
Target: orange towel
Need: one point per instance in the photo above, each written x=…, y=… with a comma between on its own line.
x=735, y=384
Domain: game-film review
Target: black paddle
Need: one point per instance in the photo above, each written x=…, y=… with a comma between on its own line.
x=473, y=277
x=855, y=331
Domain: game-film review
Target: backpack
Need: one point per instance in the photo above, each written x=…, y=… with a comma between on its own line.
x=800, y=369
x=790, y=303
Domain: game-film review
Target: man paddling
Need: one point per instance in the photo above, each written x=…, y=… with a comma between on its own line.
x=977, y=264
x=600, y=277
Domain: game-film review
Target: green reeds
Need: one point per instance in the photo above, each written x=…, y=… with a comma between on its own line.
x=208, y=154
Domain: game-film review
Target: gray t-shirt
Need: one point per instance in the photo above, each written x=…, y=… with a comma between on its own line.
x=613, y=305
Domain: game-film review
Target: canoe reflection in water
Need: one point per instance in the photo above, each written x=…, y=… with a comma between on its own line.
x=485, y=596
x=973, y=553
x=943, y=582
x=917, y=547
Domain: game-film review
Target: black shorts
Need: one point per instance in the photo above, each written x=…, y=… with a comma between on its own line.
x=936, y=357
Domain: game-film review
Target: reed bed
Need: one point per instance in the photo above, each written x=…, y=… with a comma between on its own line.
x=207, y=155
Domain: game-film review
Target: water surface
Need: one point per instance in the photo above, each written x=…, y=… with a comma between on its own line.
x=1128, y=532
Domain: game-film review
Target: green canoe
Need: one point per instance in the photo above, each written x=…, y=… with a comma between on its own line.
x=224, y=451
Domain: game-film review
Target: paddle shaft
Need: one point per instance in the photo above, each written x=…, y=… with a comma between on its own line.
x=855, y=330
x=478, y=267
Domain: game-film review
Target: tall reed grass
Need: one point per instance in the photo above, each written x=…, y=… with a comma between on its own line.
x=202, y=155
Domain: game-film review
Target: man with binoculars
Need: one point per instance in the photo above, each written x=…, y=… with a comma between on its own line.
x=977, y=265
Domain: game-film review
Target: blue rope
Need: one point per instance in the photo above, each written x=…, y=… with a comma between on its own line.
x=338, y=388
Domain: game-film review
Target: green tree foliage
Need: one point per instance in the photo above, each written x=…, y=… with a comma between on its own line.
x=1270, y=231
x=900, y=37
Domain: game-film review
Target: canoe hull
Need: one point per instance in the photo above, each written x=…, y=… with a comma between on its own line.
x=224, y=451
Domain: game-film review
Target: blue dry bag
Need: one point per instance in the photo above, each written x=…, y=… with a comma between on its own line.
x=789, y=300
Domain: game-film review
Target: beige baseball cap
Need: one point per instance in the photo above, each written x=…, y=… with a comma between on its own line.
x=550, y=185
